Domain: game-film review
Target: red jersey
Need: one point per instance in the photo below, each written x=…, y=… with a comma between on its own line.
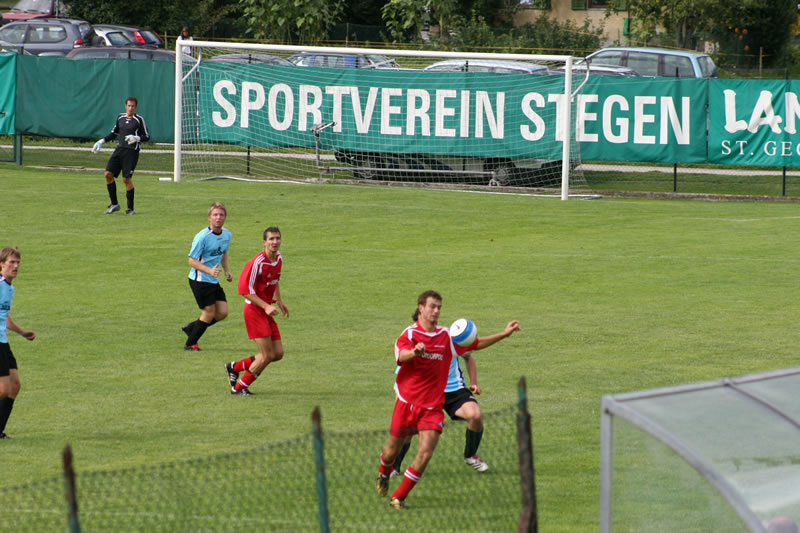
x=421, y=380
x=260, y=276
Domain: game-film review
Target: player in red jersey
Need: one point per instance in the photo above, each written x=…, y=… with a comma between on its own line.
x=423, y=352
x=262, y=298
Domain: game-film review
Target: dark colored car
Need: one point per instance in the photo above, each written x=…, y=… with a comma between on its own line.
x=28, y=9
x=139, y=36
x=264, y=59
x=124, y=52
x=335, y=60
x=48, y=36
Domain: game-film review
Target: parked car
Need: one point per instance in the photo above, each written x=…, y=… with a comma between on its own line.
x=264, y=59
x=658, y=61
x=125, y=52
x=106, y=37
x=316, y=59
x=487, y=65
x=48, y=36
x=140, y=36
x=28, y=9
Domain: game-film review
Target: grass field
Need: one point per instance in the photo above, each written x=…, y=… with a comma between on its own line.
x=613, y=295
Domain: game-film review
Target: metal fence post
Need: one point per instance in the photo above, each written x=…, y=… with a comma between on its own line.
x=319, y=460
x=69, y=490
x=528, y=520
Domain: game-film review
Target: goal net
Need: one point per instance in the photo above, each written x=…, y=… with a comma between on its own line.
x=279, y=111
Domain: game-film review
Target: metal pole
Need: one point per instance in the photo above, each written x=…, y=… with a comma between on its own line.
x=528, y=519
x=319, y=460
x=675, y=177
x=176, y=168
x=69, y=490
x=566, y=125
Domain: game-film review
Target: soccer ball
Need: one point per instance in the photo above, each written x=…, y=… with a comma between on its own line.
x=463, y=332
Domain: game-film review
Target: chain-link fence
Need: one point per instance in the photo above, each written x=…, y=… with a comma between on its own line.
x=276, y=488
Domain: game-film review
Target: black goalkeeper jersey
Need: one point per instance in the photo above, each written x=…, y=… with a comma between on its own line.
x=128, y=126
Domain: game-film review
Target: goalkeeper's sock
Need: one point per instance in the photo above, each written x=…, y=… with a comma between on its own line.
x=112, y=192
x=129, y=197
x=473, y=441
x=196, y=332
x=6, y=404
x=410, y=479
x=246, y=380
x=244, y=364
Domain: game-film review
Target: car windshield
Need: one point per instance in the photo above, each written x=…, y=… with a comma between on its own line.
x=34, y=6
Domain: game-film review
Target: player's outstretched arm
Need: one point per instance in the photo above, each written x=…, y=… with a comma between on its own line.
x=485, y=342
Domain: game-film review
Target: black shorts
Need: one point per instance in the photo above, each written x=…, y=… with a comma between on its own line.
x=123, y=159
x=454, y=400
x=7, y=361
x=207, y=293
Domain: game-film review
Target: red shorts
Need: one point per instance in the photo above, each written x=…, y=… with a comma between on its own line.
x=260, y=324
x=409, y=420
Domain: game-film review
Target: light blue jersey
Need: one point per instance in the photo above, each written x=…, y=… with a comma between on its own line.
x=208, y=248
x=6, y=294
x=455, y=379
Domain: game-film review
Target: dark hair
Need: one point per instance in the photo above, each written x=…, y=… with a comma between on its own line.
x=271, y=229
x=132, y=99
x=422, y=299
x=7, y=252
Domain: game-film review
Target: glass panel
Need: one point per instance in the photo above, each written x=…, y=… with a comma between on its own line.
x=655, y=490
x=681, y=65
x=13, y=35
x=643, y=64
x=611, y=57
x=707, y=67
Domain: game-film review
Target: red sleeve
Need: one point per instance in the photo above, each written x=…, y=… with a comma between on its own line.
x=461, y=350
x=404, y=343
x=244, y=278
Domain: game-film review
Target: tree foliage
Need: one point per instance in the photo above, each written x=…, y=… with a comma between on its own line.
x=682, y=22
x=207, y=18
x=301, y=21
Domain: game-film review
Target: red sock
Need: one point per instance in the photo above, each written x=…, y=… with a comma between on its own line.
x=245, y=381
x=410, y=479
x=386, y=468
x=244, y=364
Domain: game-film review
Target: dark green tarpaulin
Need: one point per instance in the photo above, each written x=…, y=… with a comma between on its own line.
x=62, y=97
x=8, y=85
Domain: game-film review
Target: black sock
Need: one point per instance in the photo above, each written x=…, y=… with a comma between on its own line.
x=112, y=192
x=399, y=459
x=196, y=332
x=6, y=404
x=473, y=441
x=129, y=197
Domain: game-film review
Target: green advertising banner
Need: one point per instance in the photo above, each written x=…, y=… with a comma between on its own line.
x=81, y=98
x=8, y=93
x=403, y=111
x=642, y=119
x=754, y=122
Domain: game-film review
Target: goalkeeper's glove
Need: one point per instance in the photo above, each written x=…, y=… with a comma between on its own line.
x=97, y=146
x=133, y=139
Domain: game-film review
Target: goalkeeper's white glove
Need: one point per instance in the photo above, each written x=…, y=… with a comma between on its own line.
x=133, y=139
x=97, y=146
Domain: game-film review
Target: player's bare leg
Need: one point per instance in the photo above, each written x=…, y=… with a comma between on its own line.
x=9, y=389
x=269, y=351
x=428, y=439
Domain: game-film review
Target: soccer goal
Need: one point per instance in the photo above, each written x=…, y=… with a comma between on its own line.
x=278, y=111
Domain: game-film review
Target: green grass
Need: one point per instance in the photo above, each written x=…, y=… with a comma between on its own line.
x=614, y=295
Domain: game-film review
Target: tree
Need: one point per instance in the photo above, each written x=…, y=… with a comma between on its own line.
x=303, y=21
x=683, y=21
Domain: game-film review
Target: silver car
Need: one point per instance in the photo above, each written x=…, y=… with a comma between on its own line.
x=48, y=36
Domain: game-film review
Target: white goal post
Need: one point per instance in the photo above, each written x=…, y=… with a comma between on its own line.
x=487, y=119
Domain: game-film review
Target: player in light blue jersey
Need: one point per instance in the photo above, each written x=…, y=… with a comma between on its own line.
x=9, y=375
x=208, y=256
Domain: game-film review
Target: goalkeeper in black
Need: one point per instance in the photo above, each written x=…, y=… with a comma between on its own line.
x=132, y=131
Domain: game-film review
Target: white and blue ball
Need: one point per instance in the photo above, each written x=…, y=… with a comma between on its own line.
x=463, y=332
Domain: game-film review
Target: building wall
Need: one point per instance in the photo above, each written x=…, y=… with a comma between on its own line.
x=562, y=10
